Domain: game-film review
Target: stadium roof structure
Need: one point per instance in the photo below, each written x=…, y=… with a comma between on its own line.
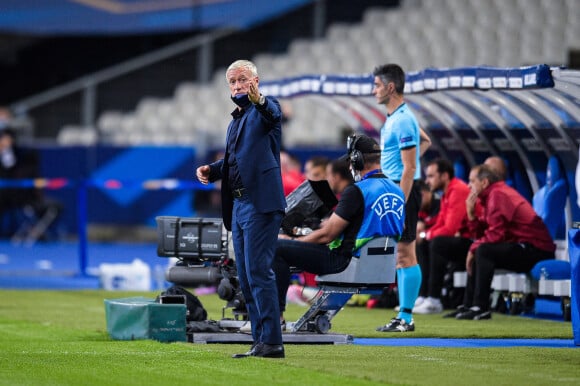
x=527, y=113
x=103, y=17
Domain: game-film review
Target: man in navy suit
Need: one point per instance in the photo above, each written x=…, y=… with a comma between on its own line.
x=253, y=201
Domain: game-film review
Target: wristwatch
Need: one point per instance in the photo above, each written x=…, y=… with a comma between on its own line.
x=262, y=100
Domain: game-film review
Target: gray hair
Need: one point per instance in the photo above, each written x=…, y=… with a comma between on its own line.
x=243, y=64
x=484, y=171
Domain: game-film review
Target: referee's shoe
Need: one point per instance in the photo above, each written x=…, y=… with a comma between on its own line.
x=397, y=325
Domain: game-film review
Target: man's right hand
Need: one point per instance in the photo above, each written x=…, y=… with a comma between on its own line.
x=202, y=174
x=470, y=205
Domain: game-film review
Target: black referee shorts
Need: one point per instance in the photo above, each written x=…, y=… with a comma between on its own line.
x=412, y=214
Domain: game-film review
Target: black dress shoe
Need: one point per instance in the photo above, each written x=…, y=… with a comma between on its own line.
x=269, y=351
x=249, y=353
x=457, y=311
x=474, y=315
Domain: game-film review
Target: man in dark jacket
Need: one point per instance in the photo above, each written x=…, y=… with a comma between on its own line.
x=253, y=201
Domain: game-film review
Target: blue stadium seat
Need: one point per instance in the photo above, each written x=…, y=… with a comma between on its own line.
x=552, y=270
x=461, y=170
x=550, y=200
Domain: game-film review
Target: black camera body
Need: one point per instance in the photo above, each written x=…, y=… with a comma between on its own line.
x=307, y=205
x=201, y=247
x=193, y=239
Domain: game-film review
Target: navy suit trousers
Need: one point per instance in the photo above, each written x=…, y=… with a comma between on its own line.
x=310, y=257
x=254, y=236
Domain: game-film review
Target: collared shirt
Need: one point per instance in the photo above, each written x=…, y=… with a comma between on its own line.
x=400, y=131
x=235, y=180
x=509, y=218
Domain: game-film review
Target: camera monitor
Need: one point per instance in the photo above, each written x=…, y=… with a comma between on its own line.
x=199, y=238
x=309, y=202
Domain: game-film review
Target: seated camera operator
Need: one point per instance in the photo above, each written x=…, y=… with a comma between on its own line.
x=372, y=207
x=339, y=177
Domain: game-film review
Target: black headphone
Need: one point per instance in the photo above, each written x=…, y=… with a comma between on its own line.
x=355, y=156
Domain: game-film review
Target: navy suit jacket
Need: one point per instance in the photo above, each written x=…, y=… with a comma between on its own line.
x=257, y=152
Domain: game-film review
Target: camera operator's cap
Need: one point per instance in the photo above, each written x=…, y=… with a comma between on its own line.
x=365, y=145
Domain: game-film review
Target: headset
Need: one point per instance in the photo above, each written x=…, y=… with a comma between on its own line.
x=355, y=156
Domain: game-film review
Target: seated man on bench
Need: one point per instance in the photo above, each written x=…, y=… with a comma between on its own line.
x=513, y=237
x=372, y=207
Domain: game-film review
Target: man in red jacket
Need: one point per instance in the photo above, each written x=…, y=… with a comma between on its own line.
x=440, y=175
x=514, y=237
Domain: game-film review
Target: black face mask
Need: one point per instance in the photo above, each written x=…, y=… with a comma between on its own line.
x=242, y=100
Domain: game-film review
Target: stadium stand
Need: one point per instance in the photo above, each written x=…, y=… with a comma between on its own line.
x=420, y=34
x=435, y=33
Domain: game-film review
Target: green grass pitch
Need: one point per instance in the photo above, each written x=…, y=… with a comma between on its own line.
x=60, y=338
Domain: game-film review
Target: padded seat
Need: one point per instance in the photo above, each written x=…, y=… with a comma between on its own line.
x=373, y=270
x=550, y=200
x=374, y=267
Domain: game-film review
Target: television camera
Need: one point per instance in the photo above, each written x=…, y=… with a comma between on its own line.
x=201, y=246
